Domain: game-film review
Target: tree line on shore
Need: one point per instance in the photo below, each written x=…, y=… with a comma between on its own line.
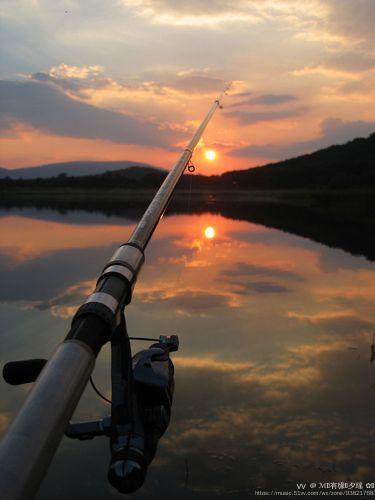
x=350, y=165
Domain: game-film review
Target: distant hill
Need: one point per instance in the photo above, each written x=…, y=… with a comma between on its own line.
x=72, y=169
x=337, y=167
x=343, y=166
x=131, y=177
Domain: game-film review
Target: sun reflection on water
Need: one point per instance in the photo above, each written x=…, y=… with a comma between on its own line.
x=209, y=232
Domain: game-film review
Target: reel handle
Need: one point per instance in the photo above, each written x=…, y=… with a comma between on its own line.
x=23, y=372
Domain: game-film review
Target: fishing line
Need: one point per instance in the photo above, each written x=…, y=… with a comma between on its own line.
x=188, y=204
x=190, y=166
x=95, y=388
x=98, y=392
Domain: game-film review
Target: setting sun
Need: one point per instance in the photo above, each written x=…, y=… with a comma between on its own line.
x=210, y=154
x=209, y=232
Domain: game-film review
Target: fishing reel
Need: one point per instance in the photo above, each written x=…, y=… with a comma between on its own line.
x=140, y=420
x=142, y=394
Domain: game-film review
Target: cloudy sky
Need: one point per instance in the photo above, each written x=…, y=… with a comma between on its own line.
x=131, y=79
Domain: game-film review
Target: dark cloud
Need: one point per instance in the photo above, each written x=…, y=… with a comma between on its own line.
x=194, y=7
x=351, y=61
x=242, y=269
x=245, y=288
x=76, y=86
x=240, y=277
x=242, y=94
x=251, y=117
x=346, y=325
x=197, y=84
x=266, y=99
x=47, y=276
x=333, y=260
x=193, y=81
x=340, y=325
x=333, y=131
x=365, y=85
x=45, y=107
x=6, y=124
x=351, y=18
x=192, y=301
x=40, y=76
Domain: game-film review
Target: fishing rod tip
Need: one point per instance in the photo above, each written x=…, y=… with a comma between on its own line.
x=228, y=86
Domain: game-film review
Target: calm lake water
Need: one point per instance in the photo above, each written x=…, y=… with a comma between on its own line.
x=274, y=383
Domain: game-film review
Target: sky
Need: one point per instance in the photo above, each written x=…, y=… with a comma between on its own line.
x=132, y=79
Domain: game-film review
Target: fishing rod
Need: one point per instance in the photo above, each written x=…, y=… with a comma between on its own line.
x=142, y=386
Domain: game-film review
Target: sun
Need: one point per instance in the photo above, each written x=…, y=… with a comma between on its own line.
x=209, y=232
x=210, y=154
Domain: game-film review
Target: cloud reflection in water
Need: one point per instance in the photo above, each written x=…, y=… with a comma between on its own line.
x=267, y=391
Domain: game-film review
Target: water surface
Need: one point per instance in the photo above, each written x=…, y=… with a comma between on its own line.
x=274, y=383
